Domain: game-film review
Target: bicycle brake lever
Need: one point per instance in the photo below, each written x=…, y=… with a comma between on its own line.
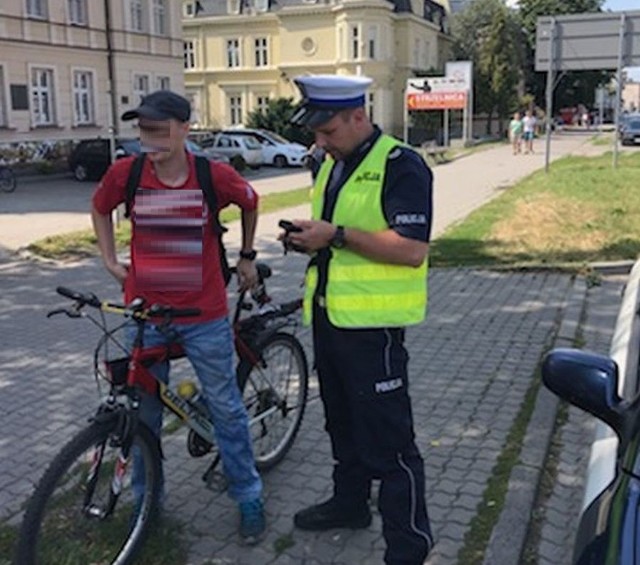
x=56, y=312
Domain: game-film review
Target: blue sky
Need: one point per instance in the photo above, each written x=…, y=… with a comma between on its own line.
x=622, y=5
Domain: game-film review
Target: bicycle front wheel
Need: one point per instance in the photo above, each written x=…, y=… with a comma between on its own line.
x=7, y=180
x=73, y=517
x=275, y=394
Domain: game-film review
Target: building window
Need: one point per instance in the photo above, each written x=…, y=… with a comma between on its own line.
x=234, y=6
x=163, y=83
x=354, y=41
x=233, y=53
x=189, y=55
x=372, y=40
x=83, y=107
x=262, y=103
x=136, y=15
x=370, y=105
x=159, y=17
x=3, y=101
x=37, y=8
x=140, y=87
x=77, y=11
x=42, y=97
x=235, y=110
x=262, y=59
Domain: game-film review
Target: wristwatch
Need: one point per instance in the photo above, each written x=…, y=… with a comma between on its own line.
x=338, y=240
x=250, y=255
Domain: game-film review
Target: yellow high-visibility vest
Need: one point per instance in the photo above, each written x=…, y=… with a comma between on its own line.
x=360, y=292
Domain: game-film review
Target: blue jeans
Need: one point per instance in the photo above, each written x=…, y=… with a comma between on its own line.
x=209, y=348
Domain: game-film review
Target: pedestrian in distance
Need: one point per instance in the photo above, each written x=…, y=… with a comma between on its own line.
x=528, y=131
x=515, y=133
x=175, y=261
x=314, y=159
x=366, y=281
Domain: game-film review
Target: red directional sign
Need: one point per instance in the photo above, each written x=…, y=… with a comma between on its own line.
x=437, y=101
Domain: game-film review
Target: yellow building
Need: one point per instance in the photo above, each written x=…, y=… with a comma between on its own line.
x=240, y=53
x=59, y=59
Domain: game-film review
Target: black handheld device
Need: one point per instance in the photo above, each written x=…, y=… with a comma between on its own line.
x=288, y=226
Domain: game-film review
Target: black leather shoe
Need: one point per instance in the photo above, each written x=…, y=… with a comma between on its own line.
x=332, y=514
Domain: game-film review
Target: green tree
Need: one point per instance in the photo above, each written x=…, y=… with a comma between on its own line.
x=572, y=87
x=487, y=32
x=276, y=118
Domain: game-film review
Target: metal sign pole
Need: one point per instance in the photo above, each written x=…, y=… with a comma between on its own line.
x=619, y=87
x=405, y=133
x=552, y=36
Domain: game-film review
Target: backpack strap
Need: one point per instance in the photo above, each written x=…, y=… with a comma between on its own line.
x=133, y=181
x=203, y=172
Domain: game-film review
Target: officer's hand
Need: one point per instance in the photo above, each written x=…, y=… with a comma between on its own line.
x=247, y=274
x=315, y=234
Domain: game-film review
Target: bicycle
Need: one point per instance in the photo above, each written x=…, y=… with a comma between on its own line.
x=7, y=179
x=86, y=493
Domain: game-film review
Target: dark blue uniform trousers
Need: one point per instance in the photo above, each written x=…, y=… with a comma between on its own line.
x=364, y=389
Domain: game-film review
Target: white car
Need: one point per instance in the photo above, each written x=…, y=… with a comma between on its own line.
x=276, y=150
x=241, y=150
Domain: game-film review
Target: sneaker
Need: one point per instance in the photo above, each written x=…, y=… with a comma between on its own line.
x=333, y=514
x=252, y=521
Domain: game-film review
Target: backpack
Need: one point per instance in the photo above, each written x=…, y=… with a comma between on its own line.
x=203, y=173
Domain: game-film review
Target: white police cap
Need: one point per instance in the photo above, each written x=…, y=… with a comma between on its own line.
x=323, y=96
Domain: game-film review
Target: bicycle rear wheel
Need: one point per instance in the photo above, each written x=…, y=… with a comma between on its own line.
x=70, y=518
x=275, y=394
x=7, y=180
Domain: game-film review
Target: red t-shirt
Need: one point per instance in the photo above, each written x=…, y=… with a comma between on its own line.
x=174, y=249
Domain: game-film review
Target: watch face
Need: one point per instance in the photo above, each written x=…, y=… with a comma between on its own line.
x=337, y=240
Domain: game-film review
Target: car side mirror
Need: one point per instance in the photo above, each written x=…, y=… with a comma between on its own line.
x=586, y=380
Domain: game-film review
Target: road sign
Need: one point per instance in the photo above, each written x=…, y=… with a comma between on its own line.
x=436, y=100
x=590, y=41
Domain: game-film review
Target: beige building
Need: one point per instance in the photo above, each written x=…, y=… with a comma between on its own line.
x=59, y=58
x=240, y=53
x=631, y=97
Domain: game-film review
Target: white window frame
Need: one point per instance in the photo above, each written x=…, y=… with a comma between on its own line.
x=77, y=12
x=354, y=42
x=261, y=5
x=261, y=51
x=160, y=17
x=234, y=102
x=233, y=6
x=373, y=44
x=371, y=105
x=135, y=10
x=163, y=82
x=49, y=91
x=262, y=102
x=139, y=92
x=4, y=112
x=189, y=9
x=189, y=50
x=36, y=9
x=86, y=94
x=234, y=58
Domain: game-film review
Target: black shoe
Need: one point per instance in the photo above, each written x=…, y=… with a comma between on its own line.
x=332, y=514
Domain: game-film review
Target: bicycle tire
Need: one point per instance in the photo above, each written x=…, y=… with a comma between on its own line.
x=278, y=385
x=61, y=523
x=7, y=180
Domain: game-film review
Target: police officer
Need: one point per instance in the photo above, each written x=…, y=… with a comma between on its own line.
x=367, y=280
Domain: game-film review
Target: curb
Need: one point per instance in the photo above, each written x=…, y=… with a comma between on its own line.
x=509, y=535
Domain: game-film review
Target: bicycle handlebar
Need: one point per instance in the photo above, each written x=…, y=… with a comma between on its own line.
x=136, y=309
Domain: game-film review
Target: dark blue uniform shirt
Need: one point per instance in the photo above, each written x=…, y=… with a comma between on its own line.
x=406, y=194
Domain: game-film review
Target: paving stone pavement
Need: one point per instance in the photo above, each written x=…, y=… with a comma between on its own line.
x=472, y=362
x=573, y=439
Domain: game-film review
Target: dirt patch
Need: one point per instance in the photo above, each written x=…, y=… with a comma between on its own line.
x=547, y=223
